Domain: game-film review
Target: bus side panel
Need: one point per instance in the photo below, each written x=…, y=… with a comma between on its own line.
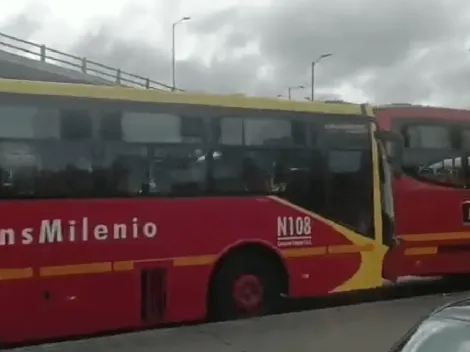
x=434, y=240
x=69, y=305
x=319, y=275
x=188, y=229
x=186, y=293
x=20, y=309
x=90, y=303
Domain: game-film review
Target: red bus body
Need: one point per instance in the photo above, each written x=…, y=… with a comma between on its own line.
x=81, y=266
x=430, y=211
x=104, y=293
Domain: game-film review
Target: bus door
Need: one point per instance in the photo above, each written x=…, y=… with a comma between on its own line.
x=349, y=184
x=354, y=188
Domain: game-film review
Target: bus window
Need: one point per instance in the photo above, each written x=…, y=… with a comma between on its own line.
x=427, y=137
x=432, y=153
x=261, y=131
x=349, y=175
x=231, y=131
x=268, y=132
x=332, y=176
x=270, y=171
x=177, y=171
x=465, y=144
x=76, y=125
x=449, y=171
x=70, y=148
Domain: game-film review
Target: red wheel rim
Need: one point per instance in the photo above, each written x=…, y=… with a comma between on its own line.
x=248, y=294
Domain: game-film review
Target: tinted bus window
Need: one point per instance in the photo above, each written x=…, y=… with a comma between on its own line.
x=146, y=127
x=428, y=137
x=344, y=161
x=261, y=131
x=29, y=122
x=57, y=147
x=350, y=169
x=430, y=153
x=465, y=143
x=332, y=175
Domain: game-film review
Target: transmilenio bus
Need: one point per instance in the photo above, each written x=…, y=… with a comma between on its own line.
x=431, y=189
x=125, y=208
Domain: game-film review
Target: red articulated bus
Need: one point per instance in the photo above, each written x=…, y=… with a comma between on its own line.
x=431, y=189
x=124, y=208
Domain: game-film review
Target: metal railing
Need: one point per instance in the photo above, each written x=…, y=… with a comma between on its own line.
x=52, y=56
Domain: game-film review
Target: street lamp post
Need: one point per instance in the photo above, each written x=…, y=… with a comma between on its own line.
x=321, y=57
x=289, y=90
x=173, y=55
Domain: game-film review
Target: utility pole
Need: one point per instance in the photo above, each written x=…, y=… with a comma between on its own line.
x=289, y=90
x=321, y=57
x=173, y=51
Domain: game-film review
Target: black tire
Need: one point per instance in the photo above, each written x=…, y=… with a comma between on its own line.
x=222, y=304
x=458, y=280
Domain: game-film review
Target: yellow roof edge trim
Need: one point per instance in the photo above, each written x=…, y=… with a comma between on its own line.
x=370, y=110
x=154, y=96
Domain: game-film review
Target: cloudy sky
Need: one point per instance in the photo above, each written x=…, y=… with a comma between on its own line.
x=383, y=50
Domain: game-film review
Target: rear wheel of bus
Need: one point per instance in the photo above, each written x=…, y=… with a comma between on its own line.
x=245, y=287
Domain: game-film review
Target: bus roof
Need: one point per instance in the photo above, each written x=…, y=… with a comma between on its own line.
x=397, y=106
x=11, y=86
x=422, y=112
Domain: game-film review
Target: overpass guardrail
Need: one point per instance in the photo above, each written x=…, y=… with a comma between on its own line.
x=59, y=58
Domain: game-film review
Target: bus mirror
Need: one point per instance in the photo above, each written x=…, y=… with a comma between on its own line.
x=393, y=146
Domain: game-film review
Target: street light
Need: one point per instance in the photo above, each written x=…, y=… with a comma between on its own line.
x=173, y=56
x=289, y=90
x=321, y=57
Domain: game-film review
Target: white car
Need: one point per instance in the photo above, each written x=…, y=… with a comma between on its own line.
x=447, y=329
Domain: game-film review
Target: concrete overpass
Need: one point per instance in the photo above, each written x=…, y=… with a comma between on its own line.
x=18, y=67
x=22, y=59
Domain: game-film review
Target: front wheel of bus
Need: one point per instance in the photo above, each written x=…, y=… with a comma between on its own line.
x=244, y=288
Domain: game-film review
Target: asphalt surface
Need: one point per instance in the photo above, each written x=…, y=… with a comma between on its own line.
x=362, y=327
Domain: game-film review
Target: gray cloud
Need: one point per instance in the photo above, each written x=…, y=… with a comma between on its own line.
x=132, y=55
x=377, y=38
x=27, y=22
x=394, y=51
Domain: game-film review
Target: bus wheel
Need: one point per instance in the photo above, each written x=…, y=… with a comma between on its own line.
x=243, y=288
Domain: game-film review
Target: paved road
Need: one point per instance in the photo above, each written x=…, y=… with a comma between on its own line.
x=363, y=327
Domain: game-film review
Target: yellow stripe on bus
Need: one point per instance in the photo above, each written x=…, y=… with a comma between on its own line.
x=439, y=236
x=421, y=251
x=326, y=250
x=77, y=269
x=123, y=266
x=16, y=273
x=195, y=260
x=304, y=252
x=350, y=248
x=200, y=260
